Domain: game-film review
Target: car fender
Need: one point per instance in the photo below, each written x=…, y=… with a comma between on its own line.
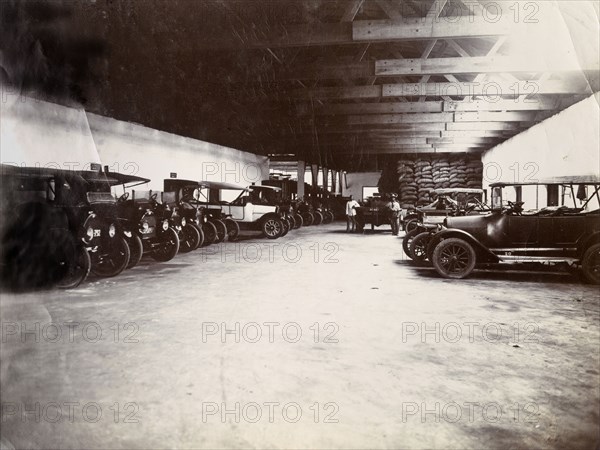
x=481, y=250
x=270, y=215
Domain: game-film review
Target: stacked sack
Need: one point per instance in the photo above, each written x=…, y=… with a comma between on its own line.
x=424, y=181
x=419, y=177
x=407, y=187
x=474, y=173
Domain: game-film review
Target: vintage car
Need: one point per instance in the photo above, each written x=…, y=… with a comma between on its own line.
x=152, y=233
x=200, y=198
x=564, y=232
x=374, y=211
x=60, y=225
x=190, y=234
x=449, y=202
x=256, y=208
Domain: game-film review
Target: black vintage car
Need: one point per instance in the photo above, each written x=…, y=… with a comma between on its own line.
x=200, y=200
x=565, y=232
x=373, y=211
x=59, y=225
x=190, y=234
x=139, y=215
x=420, y=224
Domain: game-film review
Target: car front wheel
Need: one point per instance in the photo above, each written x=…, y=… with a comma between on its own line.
x=418, y=247
x=272, y=228
x=454, y=258
x=407, y=240
x=190, y=239
x=112, y=258
x=590, y=264
x=233, y=229
x=136, y=250
x=169, y=246
x=221, y=229
x=298, y=221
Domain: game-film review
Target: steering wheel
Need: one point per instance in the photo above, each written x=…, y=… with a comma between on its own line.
x=124, y=197
x=153, y=196
x=516, y=207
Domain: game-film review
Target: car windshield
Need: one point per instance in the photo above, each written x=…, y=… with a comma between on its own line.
x=100, y=197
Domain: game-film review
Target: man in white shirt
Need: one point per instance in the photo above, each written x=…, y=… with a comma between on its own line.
x=394, y=210
x=351, y=206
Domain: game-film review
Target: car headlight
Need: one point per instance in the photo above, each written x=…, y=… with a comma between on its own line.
x=183, y=222
x=145, y=226
x=112, y=230
x=90, y=233
x=165, y=225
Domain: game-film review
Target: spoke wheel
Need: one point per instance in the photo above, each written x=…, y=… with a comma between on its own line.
x=233, y=229
x=411, y=225
x=112, y=258
x=454, y=258
x=221, y=229
x=407, y=240
x=168, y=248
x=286, y=227
x=136, y=250
x=318, y=218
x=590, y=264
x=418, y=247
x=272, y=228
x=190, y=239
x=71, y=259
x=210, y=233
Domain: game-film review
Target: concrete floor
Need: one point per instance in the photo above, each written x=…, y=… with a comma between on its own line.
x=514, y=363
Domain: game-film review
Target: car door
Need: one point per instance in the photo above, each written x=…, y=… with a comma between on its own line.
x=523, y=231
x=561, y=231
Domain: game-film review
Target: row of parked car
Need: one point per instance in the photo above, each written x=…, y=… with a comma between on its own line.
x=457, y=237
x=60, y=225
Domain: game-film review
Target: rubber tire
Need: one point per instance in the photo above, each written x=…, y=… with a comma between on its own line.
x=299, y=221
x=190, y=239
x=136, y=250
x=292, y=222
x=221, y=229
x=117, y=259
x=210, y=233
x=318, y=218
x=407, y=240
x=327, y=217
x=589, y=267
x=200, y=232
x=286, y=227
x=169, y=247
x=418, y=247
x=80, y=269
x=411, y=225
x=233, y=229
x=308, y=219
x=272, y=228
x=468, y=250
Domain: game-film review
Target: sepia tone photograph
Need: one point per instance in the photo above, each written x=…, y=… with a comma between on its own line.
x=300, y=224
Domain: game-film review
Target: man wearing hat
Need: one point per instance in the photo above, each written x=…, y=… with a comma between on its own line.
x=394, y=208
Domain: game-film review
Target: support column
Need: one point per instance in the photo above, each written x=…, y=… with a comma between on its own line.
x=342, y=186
x=334, y=184
x=325, y=178
x=300, y=186
x=314, y=171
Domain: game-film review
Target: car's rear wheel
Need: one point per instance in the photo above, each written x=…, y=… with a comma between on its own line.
x=299, y=221
x=200, y=233
x=221, y=229
x=327, y=217
x=454, y=258
x=272, y=228
x=590, y=264
x=136, y=250
x=233, y=229
x=407, y=240
x=169, y=246
x=210, y=233
x=112, y=258
x=292, y=222
x=418, y=247
x=190, y=239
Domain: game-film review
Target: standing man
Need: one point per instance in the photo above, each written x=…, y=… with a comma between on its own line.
x=394, y=208
x=351, y=206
